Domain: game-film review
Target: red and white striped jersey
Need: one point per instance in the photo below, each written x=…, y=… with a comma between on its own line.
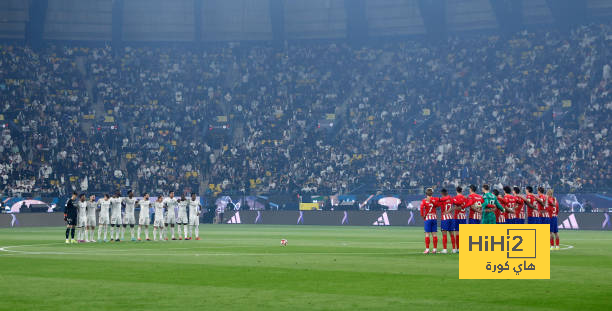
x=543, y=208
x=519, y=211
x=553, y=207
x=459, y=201
x=428, y=208
x=510, y=201
x=473, y=198
x=532, y=212
x=446, y=207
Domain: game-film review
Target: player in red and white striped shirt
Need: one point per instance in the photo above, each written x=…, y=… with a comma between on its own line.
x=459, y=202
x=428, y=212
x=510, y=205
x=519, y=211
x=553, y=211
x=447, y=214
x=474, y=202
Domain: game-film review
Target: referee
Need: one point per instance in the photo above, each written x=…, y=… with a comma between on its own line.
x=70, y=217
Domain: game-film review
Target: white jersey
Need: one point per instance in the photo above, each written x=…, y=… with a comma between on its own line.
x=182, y=207
x=104, y=207
x=194, y=208
x=91, y=209
x=130, y=203
x=145, y=205
x=115, y=207
x=171, y=204
x=82, y=205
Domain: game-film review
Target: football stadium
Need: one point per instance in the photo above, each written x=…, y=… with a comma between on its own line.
x=305, y=154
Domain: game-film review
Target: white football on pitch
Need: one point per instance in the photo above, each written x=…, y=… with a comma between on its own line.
x=283, y=242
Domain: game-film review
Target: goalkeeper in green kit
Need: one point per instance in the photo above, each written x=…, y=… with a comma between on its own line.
x=489, y=205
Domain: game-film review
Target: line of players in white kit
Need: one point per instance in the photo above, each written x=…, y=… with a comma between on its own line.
x=169, y=212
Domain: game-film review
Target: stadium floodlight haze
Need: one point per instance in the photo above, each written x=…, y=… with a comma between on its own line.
x=142, y=139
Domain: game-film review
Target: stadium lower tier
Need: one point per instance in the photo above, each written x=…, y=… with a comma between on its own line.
x=570, y=221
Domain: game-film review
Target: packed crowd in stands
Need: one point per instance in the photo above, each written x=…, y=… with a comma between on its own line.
x=310, y=117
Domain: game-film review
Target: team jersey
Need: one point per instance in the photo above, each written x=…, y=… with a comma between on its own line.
x=170, y=204
x=519, y=211
x=82, y=208
x=532, y=212
x=91, y=208
x=460, y=202
x=144, y=206
x=428, y=209
x=446, y=207
x=194, y=208
x=499, y=213
x=104, y=207
x=159, y=210
x=130, y=203
x=115, y=206
x=473, y=198
x=552, y=206
x=182, y=207
x=510, y=206
x=542, y=208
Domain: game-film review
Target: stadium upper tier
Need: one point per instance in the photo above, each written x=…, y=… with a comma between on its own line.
x=533, y=108
x=238, y=20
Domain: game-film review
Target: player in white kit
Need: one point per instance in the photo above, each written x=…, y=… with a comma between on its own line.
x=128, y=217
x=170, y=202
x=115, y=220
x=182, y=219
x=143, y=217
x=91, y=218
x=194, y=217
x=81, y=218
x=158, y=222
x=104, y=219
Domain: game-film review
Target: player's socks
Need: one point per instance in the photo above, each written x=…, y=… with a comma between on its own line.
x=72, y=233
x=444, y=241
x=180, y=232
x=552, y=242
x=557, y=242
x=453, y=241
x=99, y=232
x=112, y=233
x=138, y=234
x=457, y=240
x=197, y=232
x=67, y=233
x=427, y=242
x=154, y=234
x=147, y=233
x=435, y=243
x=185, y=231
x=132, y=232
x=122, y=233
x=172, y=232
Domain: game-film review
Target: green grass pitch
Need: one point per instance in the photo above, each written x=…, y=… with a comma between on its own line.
x=243, y=267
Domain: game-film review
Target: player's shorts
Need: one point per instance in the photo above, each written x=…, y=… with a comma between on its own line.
x=170, y=219
x=533, y=220
x=158, y=223
x=71, y=220
x=545, y=220
x=431, y=225
x=456, y=223
x=474, y=221
x=194, y=221
x=91, y=220
x=104, y=220
x=116, y=220
x=129, y=219
x=144, y=220
x=81, y=221
x=447, y=225
x=182, y=219
x=554, y=227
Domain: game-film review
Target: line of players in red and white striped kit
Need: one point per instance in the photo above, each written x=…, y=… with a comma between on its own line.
x=542, y=208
